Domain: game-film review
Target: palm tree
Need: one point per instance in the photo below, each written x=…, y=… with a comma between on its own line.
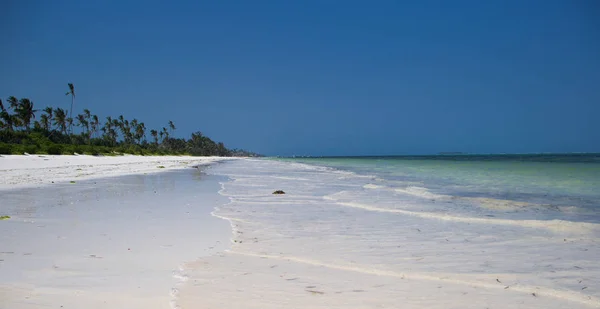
x=45, y=122
x=132, y=125
x=13, y=102
x=46, y=118
x=24, y=111
x=107, y=125
x=171, y=126
x=70, y=124
x=109, y=132
x=71, y=92
x=140, y=132
x=120, y=123
x=6, y=118
x=13, y=120
x=154, y=134
x=83, y=123
x=113, y=132
x=60, y=120
x=165, y=133
x=95, y=123
x=48, y=110
x=126, y=130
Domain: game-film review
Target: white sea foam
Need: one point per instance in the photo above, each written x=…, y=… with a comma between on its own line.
x=483, y=202
x=372, y=186
x=421, y=192
x=560, y=226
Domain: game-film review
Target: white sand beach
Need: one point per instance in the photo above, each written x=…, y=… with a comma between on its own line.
x=103, y=232
x=155, y=238
x=36, y=170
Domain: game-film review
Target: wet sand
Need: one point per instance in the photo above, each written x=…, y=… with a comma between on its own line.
x=109, y=242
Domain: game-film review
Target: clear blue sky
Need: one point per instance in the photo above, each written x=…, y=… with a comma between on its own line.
x=321, y=77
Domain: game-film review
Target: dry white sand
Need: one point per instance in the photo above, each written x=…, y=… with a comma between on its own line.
x=36, y=170
x=103, y=242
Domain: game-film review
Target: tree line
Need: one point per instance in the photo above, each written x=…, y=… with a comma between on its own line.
x=22, y=131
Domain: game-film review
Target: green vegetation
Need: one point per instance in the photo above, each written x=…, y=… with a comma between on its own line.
x=22, y=132
x=4, y=217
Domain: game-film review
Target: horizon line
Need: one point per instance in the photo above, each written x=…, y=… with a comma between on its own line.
x=441, y=154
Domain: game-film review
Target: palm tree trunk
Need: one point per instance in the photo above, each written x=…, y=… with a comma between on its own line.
x=71, y=115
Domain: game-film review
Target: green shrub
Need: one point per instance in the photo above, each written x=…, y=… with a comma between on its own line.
x=31, y=149
x=68, y=149
x=54, y=149
x=91, y=150
x=101, y=150
x=76, y=149
x=17, y=149
x=5, y=148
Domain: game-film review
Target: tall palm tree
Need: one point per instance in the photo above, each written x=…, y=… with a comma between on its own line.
x=70, y=124
x=45, y=122
x=71, y=92
x=13, y=102
x=60, y=120
x=88, y=117
x=94, y=123
x=25, y=112
x=107, y=125
x=6, y=118
x=132, y=126
x=114, y=135
x=13, y=119
x=49, y=111
x=109, y=132
x=165, y=133
x=154, y=134
x=126, y=130
x=140, y=132
x=120, y=123
x=171, y=126
x=83, y=123
x=37, y=125
x=46, y=118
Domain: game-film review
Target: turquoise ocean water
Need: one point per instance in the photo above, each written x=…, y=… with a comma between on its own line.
x=564, y=186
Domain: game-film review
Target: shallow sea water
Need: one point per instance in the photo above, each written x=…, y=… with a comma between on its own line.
x=356, y=234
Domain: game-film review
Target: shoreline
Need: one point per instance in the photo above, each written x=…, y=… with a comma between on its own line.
x=109, y=242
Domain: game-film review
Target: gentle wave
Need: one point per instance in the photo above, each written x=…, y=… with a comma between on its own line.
x=559, y=226
x=483, y=202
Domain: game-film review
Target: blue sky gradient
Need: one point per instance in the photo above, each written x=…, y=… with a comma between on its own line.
x=321, y=77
